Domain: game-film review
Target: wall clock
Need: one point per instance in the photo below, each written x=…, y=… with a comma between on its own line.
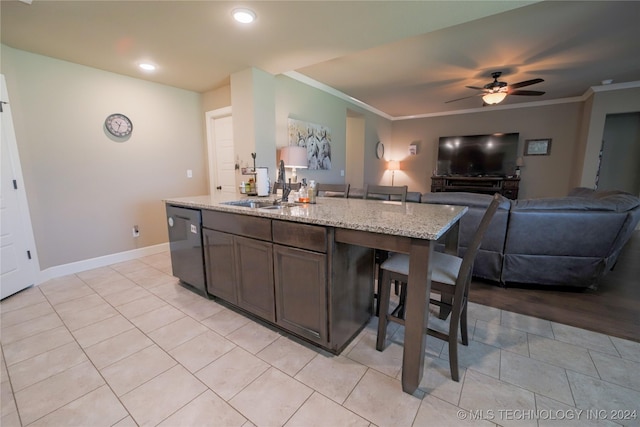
x=379, y=150
x=118, y=125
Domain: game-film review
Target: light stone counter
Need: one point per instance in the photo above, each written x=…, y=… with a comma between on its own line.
x=415, y=220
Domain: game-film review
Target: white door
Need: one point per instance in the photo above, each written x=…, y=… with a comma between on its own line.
x=18, y=263
x=222, y=173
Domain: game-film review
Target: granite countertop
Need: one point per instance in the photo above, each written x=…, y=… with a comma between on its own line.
x=416, y=220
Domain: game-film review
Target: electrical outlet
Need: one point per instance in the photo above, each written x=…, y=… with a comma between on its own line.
x=189, y=173
x=135, y=231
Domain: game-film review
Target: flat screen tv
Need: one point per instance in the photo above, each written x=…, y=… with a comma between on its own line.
x=478, y=155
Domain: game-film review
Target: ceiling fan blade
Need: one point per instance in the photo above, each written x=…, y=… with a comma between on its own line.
x=527, y=92
x=460, y=99
x=525, y=83
x=475, y=87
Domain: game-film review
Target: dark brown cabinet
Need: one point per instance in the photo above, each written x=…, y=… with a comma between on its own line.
x=301, y=292
x=300, y=274
x=254, y=276
x=239, y=261
x=220, y=265
x=507, y=186
x=291, y=274
x=510, y=187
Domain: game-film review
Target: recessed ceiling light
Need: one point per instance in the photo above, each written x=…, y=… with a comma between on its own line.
x=147, y=67
x=245, y=16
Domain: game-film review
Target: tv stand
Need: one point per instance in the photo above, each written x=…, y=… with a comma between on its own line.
x=507, y=186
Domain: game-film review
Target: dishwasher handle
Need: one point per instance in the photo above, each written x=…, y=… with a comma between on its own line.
x=171, y=221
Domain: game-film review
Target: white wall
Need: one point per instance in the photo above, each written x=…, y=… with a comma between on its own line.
x=253, y=101
x=86, y=191
x=302, y=102
x=354, y=173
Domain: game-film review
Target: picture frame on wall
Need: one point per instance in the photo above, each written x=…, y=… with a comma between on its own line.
x=315, y=138
x=537, y=147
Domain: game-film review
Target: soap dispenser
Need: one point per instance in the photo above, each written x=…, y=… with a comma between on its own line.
x=312, y=191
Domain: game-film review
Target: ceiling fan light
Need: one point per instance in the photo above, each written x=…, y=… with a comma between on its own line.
x=494, y=97
x=146, y=66
x=245, y=16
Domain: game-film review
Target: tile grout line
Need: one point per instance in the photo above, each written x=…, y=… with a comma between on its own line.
x=207, y=388
x=106, y=383
x=65, y=370
x=177, y=363
x=566, y=370
x=15, y=402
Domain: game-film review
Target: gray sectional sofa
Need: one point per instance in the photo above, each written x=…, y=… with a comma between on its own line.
x=567, y=241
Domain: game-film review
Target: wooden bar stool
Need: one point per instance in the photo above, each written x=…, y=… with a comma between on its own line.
x=450, y=277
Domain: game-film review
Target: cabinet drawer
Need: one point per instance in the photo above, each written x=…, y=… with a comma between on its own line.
x=511, y=184
x=242, y=225
x=311, y=237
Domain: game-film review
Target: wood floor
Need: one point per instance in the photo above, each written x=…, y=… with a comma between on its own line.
x=613, y=309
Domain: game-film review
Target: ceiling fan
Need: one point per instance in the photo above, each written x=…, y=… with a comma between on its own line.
x=496, y=91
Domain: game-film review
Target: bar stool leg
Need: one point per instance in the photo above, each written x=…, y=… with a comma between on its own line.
x=384, y=294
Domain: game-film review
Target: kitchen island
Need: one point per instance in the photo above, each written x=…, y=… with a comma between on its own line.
x=308, y=268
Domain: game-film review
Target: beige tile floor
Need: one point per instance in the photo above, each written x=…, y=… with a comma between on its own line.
x=126, y=345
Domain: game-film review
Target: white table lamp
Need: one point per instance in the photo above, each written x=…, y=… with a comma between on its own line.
x=294, y=157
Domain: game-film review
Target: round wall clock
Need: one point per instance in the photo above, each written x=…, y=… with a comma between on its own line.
x=118, y=125
x=379, y=150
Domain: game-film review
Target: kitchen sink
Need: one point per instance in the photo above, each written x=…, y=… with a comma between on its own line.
x=272, y=207
x=266, y=204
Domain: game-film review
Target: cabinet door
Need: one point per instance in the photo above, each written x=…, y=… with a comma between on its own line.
x=254, y=273
x=301, y=292
x=219, y=261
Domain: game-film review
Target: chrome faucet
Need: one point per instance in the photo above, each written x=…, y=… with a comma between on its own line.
x=281, y=179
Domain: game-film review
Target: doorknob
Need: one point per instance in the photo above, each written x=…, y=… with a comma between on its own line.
x=219, y=187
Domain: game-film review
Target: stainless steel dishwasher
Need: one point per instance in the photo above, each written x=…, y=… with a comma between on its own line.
x=185, y=241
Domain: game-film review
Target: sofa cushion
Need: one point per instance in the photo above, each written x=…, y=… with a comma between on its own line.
x=571, y=240
x=622, y=202
x=619, y=202
x=552, y=270
x=581, y=192
x=414, y=196
x=563, y=232
x=464, y=199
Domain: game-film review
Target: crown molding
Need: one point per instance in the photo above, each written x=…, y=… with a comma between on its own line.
x=493, y=108
x=328, y=89
x=612, y=86
x=588, y=93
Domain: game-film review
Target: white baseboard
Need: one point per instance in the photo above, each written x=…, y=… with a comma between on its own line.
x=89, y=264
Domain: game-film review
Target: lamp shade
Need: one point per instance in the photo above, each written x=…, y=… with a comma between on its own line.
x=393, y=165
x=294, y=156
x=520, y=162
x=494, y=97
